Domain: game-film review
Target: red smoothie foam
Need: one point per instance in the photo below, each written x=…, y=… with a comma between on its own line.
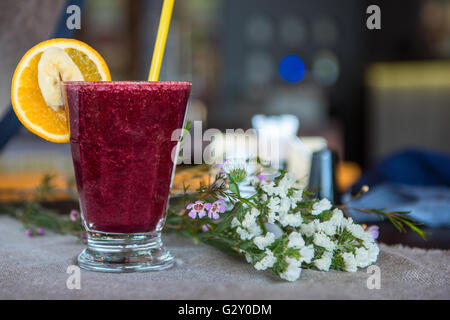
x=120, y=136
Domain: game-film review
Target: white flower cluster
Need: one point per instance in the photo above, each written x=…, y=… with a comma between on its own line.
x=280, y=203
x=366, y=251
x=267, y=262
x=236, y=169
x=321, y=206
x=328, y=241
x=249, y=228
x=264, y=241
x=293, y=269
x=282, y=189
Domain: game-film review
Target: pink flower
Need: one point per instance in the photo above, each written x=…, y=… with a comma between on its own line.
x=198, y=208
x=40, y=231
x=374, y=230
x=205, y=228
x=29, y=233
x=261, y=177
x=74, y=215
x=216, y=208
x=219, y=166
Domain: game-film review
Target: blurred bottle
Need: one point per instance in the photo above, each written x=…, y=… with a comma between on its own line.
x=322, y=179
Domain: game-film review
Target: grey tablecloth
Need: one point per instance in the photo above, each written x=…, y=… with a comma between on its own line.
x=35, y=268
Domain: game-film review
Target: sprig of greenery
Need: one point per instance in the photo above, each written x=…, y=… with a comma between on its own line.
x=34, y=215
x=399, y=219
x=46, y=189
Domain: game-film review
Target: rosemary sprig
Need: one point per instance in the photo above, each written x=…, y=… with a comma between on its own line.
x=34, y=215
x=399, y=219
x=46, y=189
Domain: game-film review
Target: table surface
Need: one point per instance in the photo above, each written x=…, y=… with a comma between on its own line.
x=36, y=268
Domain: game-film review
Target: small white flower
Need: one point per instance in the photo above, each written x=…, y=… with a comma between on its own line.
x=235, y=222
x=321, y=206
x=274, y=204
x=263, y=197
x=268, y=188
x=255, y=212
x=248, y=221
x=324, y=262
x=295, y=240
x=244, y=234
x=267, y=262
x=234, y=164
x=281, y=192
x=250, y=218
x=248, y=258
x=272, y=216
x=356, y=230
x=293, y=203
x=362, y=257
x=327, y=227
x=324, y=241
x=293, y=220
x=297, y=195
x=337, y=217
x=264, y=241
x=350, y=262
x=373, y=251
x=255, y=230
x=367, y=237
x=346, y=222
x=307, y=253
x=285, y=205
x=292, y=271
x=288, y=181
x=308, y=229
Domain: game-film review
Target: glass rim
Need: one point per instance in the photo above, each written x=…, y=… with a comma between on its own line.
x=127, y=82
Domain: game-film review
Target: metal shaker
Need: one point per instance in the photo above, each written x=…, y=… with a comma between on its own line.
x=322, y=179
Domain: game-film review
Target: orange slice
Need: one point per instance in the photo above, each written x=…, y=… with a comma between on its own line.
x=28, y=100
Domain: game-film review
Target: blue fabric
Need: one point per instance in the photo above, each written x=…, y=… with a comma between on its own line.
x=428, y=205
x=411, y=180
x=411, y=167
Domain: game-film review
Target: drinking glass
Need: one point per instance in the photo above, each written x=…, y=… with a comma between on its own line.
x=124, y=154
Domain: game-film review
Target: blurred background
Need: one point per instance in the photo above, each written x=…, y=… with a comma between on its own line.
x=370, y=94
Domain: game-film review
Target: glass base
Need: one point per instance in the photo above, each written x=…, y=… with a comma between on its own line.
x=119, y=252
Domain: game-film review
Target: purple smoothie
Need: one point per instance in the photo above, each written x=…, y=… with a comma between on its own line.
x=120, y=137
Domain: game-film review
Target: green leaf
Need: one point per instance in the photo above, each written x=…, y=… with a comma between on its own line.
x=234, y=188
x=420, y=232
x=226, y=222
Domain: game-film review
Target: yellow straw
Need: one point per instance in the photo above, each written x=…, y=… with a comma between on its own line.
x=161, y=37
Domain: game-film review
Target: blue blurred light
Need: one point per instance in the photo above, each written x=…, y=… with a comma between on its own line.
x=291, y=68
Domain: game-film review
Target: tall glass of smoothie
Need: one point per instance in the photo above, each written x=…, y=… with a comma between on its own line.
x=121, y=137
